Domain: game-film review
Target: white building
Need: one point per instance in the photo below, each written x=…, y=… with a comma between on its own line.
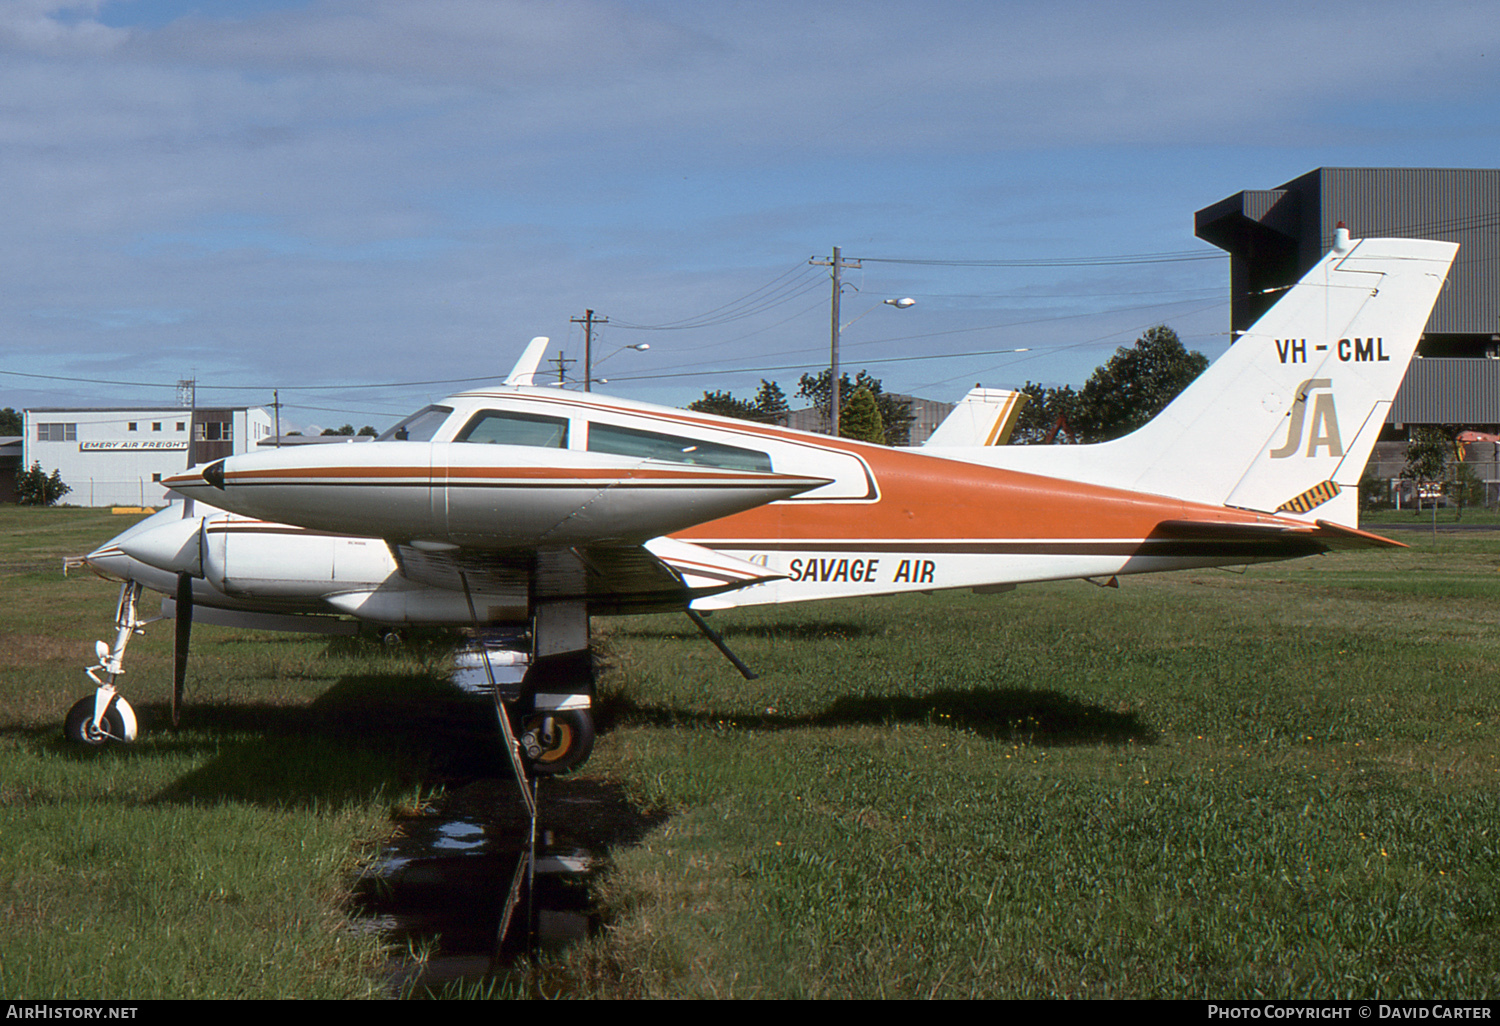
x=118, y=457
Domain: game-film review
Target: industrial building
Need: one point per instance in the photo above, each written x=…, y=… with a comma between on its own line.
x=118, y=456
x=1274, y=236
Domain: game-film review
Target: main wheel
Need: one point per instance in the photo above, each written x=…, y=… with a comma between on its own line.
x=119, y=723
x=564, y=748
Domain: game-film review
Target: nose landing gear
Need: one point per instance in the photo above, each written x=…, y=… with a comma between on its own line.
x=105, y=717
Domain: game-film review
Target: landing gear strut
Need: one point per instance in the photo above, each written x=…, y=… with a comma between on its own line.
x=105, y=716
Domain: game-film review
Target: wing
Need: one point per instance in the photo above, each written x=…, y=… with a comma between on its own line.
x=662, y=574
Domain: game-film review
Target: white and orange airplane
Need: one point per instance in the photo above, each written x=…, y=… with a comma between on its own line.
x=528, y=505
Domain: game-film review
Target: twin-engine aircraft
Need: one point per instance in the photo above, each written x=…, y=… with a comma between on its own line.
x=541, y=507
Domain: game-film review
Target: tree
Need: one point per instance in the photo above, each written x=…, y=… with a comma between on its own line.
x=861, y=420
x=368, y=431
x=1048, y=415
x=347, y=429
x=36, y=488
x=1464, y=487
x=723, y=404
x=1135, y=385
x=10, y=422
x=770, y=404
x=895, y=412
x=1428, y=450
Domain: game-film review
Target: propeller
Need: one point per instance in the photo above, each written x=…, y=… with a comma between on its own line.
x=180, y=642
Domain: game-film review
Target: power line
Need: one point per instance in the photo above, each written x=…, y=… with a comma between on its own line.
x=748, y=305
x=1180, y=256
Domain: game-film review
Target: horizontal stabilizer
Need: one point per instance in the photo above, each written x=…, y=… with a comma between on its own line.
x=706, y=571
x=1324, y=533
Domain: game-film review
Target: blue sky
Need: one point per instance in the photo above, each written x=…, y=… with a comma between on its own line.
x=363, y=202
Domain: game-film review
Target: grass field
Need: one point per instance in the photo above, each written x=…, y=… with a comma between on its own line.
x=1281, y=783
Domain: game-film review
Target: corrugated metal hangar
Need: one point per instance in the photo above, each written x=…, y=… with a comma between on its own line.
x=1273, y=236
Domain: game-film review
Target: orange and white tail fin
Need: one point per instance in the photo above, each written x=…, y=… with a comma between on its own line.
x=986, y=416
x=1287, y=418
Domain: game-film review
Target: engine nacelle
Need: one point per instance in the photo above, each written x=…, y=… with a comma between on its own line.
x=248, y=558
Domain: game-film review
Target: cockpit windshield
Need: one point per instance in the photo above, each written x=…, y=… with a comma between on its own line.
x=419, y=427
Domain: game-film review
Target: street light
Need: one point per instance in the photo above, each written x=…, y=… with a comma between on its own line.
x=589, y=365
x=904, y=303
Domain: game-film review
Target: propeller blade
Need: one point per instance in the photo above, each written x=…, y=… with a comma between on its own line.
x=180, y=642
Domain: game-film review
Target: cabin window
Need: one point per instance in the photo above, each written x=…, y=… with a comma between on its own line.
x=500, y=427
x=419, y=427
x=675, y=448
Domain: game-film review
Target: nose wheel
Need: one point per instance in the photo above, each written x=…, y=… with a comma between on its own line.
x=116, y=725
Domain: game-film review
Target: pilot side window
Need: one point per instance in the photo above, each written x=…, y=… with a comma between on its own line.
x=498, y=427
x=652, y=446
x=419, y=427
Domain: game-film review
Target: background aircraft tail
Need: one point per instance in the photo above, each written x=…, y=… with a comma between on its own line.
x=986, y=416
x=1285, y=421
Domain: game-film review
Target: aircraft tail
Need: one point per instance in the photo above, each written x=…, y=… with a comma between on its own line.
x=1285, y=421
x=986, y=416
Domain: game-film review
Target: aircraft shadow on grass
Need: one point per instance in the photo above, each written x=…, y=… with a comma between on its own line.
x=1014, y=714
x=394, y=733
x=823, y=630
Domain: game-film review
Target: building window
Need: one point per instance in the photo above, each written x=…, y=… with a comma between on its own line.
x=156, y=425
x=182, y=425
x=57, y=432
x=215, y=431
x=130, y=426
x=156, y=478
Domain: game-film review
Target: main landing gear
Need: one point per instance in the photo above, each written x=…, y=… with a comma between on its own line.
x=557, y=735
x=548, y=724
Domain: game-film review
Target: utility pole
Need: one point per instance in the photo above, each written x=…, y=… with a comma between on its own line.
x=187, y=395
x=588, y=320
x=561, y=363
x=276, y=405
x=833, y=345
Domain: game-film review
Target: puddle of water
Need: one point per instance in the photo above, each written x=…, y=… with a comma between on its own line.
x=465, y=889
x=507, y=658
x=459, y=884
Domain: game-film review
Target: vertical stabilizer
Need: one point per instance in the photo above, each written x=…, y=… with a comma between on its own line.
x=986, y=416
x=1286, y=419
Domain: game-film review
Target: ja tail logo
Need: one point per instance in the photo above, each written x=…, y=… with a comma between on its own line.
x=1325, y=421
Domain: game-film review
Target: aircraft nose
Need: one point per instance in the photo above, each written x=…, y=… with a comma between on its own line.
x=195, y=482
